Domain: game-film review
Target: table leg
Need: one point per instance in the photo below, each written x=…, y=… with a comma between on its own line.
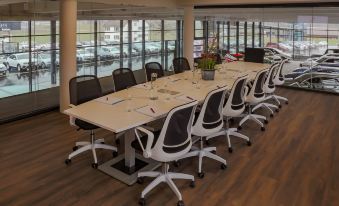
x=129, y=150
x=126, y=166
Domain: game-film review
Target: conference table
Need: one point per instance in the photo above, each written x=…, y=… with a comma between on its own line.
x=121, y=112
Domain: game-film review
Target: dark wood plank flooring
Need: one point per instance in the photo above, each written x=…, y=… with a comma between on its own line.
x=294, y=162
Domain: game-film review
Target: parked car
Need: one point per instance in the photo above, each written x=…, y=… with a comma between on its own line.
x=325, y=59
x=42, y=60
x=114, y=51
x=270, y=57
x=3, y=66
x=279, y=53
x=20, y=61
x=84, y=56
x=327, y=52
x=152, y=48
x=133, y=52
x=306, y=76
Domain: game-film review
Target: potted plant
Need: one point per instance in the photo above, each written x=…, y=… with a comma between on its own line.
x=207, y=66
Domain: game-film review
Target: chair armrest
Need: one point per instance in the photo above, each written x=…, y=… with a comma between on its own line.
x=149, y=128
x=150, y=137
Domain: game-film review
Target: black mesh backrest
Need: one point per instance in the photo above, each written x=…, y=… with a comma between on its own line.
x=238, y=100
x=123, y=78
x=213, y=116
x=153, y=67
x=177, y=130
x=271, y=75
x=258, y=91
x=281, y=77
x=180, y=64
x=218, y=58
x=84, y=88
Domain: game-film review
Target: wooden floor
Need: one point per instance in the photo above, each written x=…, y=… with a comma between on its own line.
x=294, y=162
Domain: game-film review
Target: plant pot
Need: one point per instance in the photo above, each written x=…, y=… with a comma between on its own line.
x=207, y=74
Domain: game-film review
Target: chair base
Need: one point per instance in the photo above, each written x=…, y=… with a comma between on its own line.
x=230, y=132
x=166, y=177
x=204, y=152
x=255, y=118
x=277, y=98
x=267, y=106
x=92, y=145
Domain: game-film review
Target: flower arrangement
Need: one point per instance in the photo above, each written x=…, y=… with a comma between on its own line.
x=207, y=64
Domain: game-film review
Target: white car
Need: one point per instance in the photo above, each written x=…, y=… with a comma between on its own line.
x=84, y=55
x=114, y=51
x=327, y=59
x=279, y=53
x=271, y=57
x=19, y=61
x=3, y=66
x=42, y=60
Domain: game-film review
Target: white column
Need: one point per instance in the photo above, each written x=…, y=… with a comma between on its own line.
x=68, y=63
x=188, y=34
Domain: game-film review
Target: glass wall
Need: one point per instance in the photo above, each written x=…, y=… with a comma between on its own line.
x=29, y=51
x=308, y=38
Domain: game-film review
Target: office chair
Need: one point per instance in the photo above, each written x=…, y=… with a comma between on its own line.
x=268, y=88
x=180, y=64
x=82, y=89
x=234, y=107
x=208, y=122
x=173, y=141
x=279, y=79
x=153, y=67
x=255, y=95
x=123, y=78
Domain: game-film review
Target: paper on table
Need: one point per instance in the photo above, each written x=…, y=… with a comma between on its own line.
x=149, y=111
x=143, y=86
x=185, y=98
x=109, y=100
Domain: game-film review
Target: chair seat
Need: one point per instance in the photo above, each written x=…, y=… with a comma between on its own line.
x=85, y=125
x=135, y=144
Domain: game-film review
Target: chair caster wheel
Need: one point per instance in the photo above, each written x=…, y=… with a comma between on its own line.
x=207, y=142
x=192, y=184
x=271, y=115
x=239, y=128
x=223, y=166
x=277, y=110
x=286, y=102
x=115, y=153
x=266, y=121
x=230, y=149
x=140, y=180
x=249, y=143
x=280, y=106
x=142, y=201
x=180, y=203
x=68, y=161
x=201, y=175
x=75, y=148
x=176, y=164
x=262, y=128
x=95, y=165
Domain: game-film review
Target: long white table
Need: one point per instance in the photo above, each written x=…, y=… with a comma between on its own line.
x=126, y=115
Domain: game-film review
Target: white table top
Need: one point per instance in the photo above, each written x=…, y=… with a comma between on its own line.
x=127, y=114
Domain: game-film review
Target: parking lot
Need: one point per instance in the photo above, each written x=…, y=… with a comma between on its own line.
x=15, y=82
